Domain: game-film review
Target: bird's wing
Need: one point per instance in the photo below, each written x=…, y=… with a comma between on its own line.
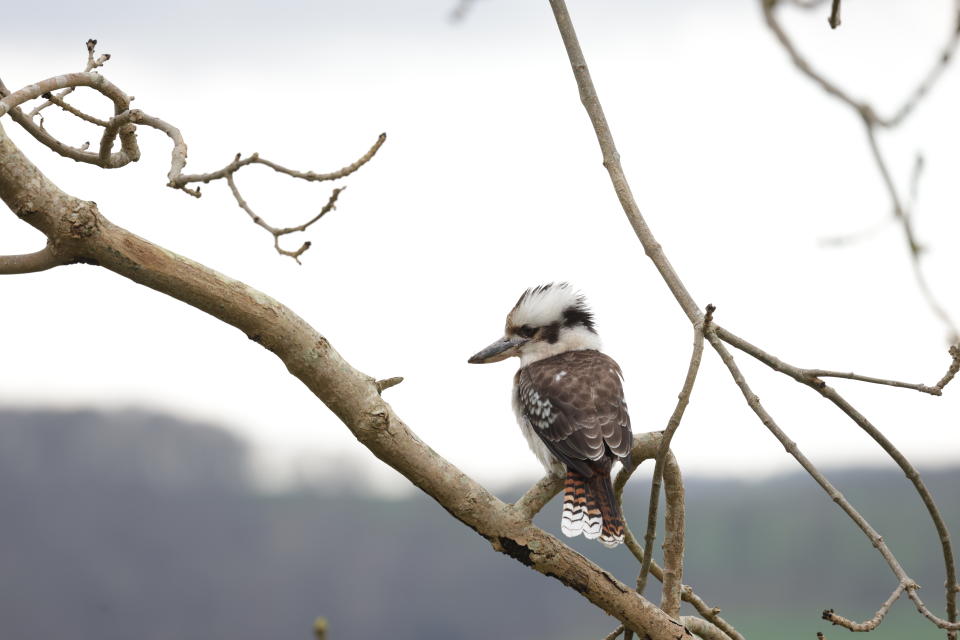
x=574, y=401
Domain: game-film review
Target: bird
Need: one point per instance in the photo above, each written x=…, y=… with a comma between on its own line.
x=568, y=399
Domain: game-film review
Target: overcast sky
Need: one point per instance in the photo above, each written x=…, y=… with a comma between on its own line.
x=491, y=182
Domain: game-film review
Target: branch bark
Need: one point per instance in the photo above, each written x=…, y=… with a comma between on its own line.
x=79, y=232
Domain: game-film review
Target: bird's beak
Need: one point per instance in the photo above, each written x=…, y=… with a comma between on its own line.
x=499, y=350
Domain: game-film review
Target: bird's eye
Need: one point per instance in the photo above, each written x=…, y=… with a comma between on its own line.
x=526, y=331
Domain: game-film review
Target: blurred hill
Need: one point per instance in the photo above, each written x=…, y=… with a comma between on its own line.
x=118, y=525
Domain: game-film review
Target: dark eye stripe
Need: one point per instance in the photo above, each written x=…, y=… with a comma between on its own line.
x=526, y=331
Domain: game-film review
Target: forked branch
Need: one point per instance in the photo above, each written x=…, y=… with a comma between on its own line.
x=902, y=209
x=79, y=232
x=123, y=124
x=653, y=250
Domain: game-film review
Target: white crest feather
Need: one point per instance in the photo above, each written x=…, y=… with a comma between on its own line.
x=545, y=304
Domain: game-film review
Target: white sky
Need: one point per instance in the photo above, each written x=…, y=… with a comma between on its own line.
x=491, y=182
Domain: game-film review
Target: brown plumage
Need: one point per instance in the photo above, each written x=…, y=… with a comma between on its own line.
x=574, y=403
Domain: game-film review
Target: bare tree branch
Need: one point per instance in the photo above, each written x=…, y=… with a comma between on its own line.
x=78, y=154
x=872, y=122
x=611, y=161
x=123, y=124
x=834, y=19
x=870, y=624
x=673, y=573
x=74, y=111
x=714, y=336
x=651, y=247
x=383, y=385
x=831, y=394
x=647, y=446
x=823, y=373
x=92, y=63
x=29, y=262
x=78, y=232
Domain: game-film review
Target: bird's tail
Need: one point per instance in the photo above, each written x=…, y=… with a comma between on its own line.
x=590, y=508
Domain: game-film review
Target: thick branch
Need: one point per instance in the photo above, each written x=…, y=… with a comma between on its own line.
x=79, y=230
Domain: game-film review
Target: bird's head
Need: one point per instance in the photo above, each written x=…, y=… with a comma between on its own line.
x=546, y=320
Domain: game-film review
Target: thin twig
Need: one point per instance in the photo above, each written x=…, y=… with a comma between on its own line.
x=309, y=176
x=922, y=88
x=868, y=625
x=29, y=262
x=277, y=233
x=123, y=124
x=703, y=628
x=872, y=122
x=671, y=586
x=383, y=385
x=954, y=367
x=537, y=497
x=905, y=217
x=79, y=154
x=715, y=334
x=646, y=446
x=834, y=19
x=822, y=373
x=73, y=110
x=841, y=240
x=611, y=161
x=92, y=63
x=614, y=634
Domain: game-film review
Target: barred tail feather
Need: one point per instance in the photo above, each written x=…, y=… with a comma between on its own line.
x=580, y=512
x=611, y=533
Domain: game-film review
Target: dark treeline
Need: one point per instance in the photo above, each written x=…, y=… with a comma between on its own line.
x=119, y=525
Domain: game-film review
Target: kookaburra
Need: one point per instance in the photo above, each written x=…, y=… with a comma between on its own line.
x=568, y=398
